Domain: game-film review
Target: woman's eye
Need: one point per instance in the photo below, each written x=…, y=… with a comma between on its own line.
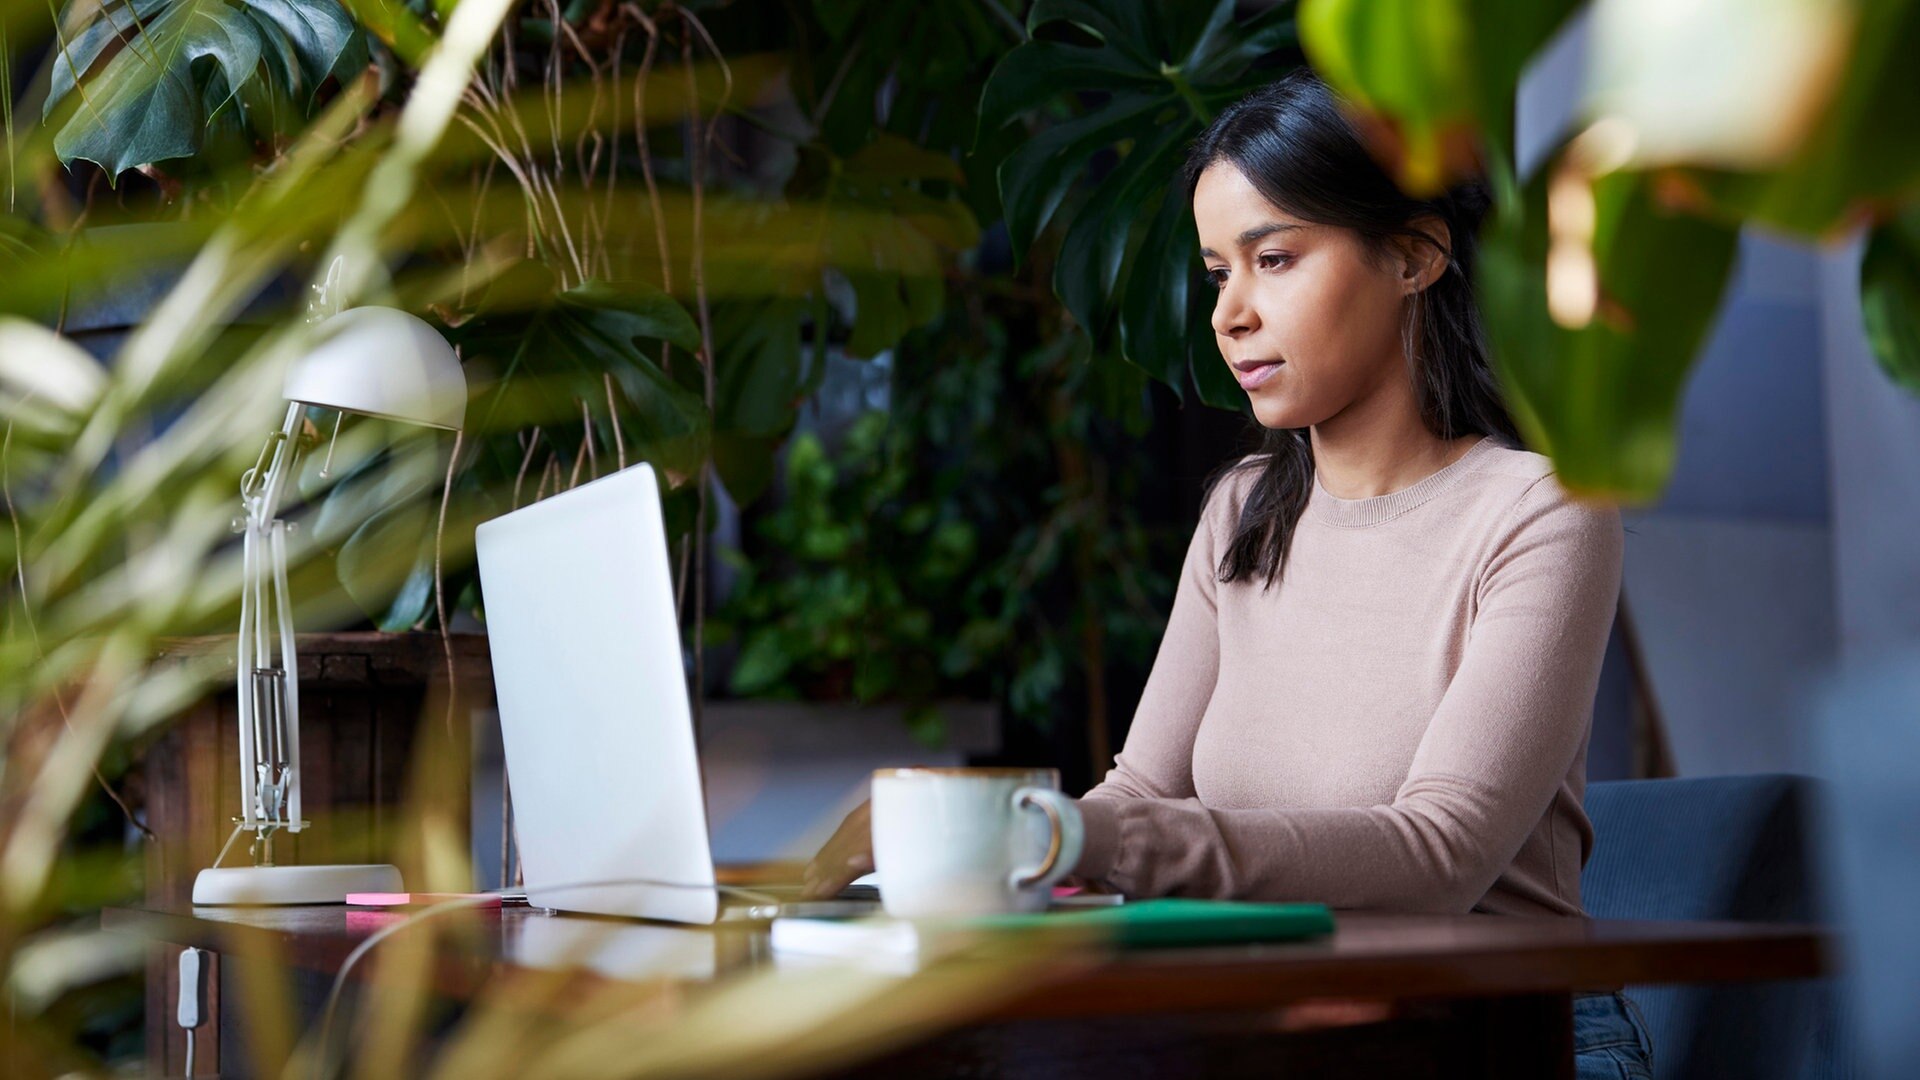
x=1270, y=260
x=1216, y=277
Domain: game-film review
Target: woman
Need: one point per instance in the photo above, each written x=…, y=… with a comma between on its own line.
x=1377, y=679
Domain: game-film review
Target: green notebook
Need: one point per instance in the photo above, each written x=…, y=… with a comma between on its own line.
x=1141, y=924
x=1150, y=923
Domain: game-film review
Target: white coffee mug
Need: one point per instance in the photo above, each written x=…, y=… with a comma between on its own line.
x=960, y=841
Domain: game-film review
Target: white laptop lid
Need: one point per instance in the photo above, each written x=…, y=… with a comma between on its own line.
x=593, y=702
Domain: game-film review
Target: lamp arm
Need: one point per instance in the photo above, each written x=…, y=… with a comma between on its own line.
x=289, y=663
x=268, y=694
x=243, y=674
x=285, y=447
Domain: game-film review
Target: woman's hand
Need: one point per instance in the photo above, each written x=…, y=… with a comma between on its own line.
x=847, y=855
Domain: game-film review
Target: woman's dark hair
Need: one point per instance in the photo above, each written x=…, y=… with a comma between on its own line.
x=1291, y=142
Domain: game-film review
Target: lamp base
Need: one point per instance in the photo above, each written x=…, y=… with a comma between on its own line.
x=292, y=884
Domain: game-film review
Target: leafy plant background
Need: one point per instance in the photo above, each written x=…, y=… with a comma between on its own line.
x=957, y=544
x=1131, y=84
x=603, y=316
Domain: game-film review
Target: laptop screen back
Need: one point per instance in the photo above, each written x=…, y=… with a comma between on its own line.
x=593, y=703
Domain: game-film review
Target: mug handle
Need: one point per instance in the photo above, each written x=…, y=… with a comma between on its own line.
x=1068, y=837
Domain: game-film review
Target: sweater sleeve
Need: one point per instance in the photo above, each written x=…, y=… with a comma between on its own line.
x=1157, y=760
x=1506, y=732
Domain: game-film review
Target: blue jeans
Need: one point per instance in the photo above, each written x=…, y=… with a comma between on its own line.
x=1610, y=1039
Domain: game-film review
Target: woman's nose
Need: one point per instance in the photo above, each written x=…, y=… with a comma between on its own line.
x=1232, y=316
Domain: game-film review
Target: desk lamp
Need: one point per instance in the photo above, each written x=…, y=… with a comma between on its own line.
x=370, y=361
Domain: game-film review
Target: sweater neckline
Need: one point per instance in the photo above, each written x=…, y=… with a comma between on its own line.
x=1378, y=508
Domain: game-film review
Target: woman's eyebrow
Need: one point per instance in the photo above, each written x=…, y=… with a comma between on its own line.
x=1255, y=233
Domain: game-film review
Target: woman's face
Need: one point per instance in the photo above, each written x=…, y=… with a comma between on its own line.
x=1306, y=317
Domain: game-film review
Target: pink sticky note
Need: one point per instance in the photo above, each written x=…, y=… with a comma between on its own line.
x=400, y=899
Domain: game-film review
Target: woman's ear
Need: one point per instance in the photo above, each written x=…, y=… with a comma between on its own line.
x=1421, y=263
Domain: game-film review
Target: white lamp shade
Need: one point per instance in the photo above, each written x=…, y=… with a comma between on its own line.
x=378, y=361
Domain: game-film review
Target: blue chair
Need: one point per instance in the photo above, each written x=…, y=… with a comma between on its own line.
x=1736, y=848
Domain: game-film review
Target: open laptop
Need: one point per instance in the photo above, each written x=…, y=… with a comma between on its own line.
x=609, y=807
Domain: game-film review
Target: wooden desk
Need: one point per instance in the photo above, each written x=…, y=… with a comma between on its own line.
x=1474, y=995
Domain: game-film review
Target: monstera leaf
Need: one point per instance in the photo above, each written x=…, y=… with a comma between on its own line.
x=1796, y=115
x=1128, y=265
x=1890, y=297
x=1600, y=397
x=1438, y=75
x=142, y=81
x=929, y=56
x=877, y=224
x=549, y=351
x=1793, y=115
x=757, y=388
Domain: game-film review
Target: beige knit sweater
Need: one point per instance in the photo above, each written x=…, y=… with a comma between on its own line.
x=1400, y=723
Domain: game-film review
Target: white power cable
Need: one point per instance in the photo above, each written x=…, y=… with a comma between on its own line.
x=323, y=1064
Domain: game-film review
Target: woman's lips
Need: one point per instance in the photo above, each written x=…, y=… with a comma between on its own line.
x=1257, y=375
